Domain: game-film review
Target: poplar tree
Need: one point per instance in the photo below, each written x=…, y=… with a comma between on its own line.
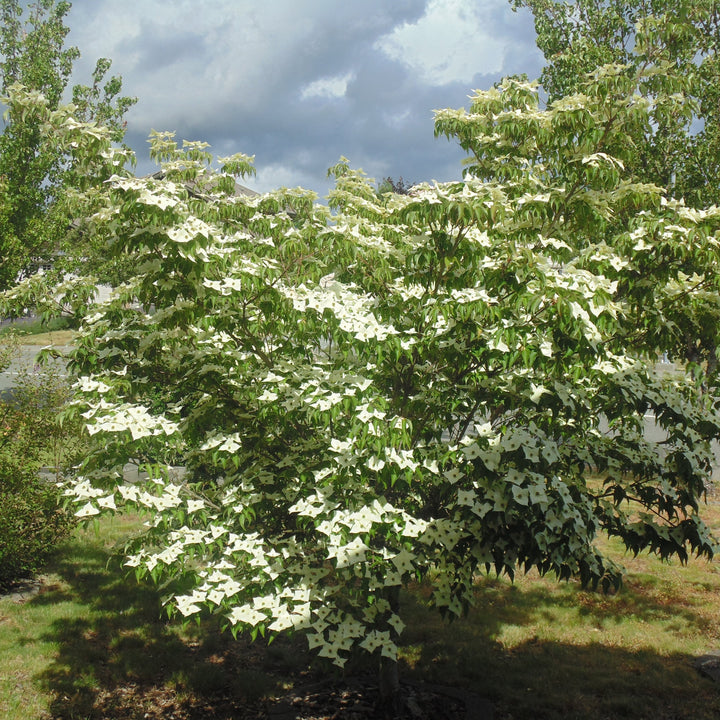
x=34, y=175
x=681, y=38
x=673, y=44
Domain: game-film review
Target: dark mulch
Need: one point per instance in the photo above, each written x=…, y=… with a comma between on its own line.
x=351, y=699
x=356, y=699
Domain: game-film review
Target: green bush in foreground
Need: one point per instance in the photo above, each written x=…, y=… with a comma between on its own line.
x=31, y=523
x=31, y=518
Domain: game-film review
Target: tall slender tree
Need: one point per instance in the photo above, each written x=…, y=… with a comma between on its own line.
x=679, y=149
x=682, y=154
x=33, y=212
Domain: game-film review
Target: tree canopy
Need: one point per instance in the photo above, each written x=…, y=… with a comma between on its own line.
x=448, y=383
x=425, y=386
x=675, y=45
x=679, y=40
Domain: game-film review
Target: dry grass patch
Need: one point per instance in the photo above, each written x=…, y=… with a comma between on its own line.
x=56, y=332
x=56, y=338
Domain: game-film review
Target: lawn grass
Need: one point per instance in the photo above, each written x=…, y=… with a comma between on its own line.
x=56, y=338
x=93, y=644
x=547, y=650
x=55, y=332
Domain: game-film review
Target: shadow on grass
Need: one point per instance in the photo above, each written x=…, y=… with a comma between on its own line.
x=645, y=601
x=541, y=674
x=119, y=658
x=499, y=603
x=545, y=680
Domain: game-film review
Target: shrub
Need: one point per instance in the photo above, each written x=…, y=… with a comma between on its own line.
x=32, y=520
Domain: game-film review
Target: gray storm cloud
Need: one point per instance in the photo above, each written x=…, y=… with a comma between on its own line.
x=298, y=84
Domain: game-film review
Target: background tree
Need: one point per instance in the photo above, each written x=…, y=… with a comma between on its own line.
x=679, y=149
x=680, y=39
x=34, y=216
x=32, y=521
x=399, y=186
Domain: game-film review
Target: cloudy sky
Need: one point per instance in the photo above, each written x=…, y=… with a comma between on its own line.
x=300, y=83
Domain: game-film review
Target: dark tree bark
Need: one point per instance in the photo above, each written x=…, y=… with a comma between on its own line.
x=390, y=701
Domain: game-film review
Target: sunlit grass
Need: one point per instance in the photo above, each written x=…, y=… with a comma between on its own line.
x=66, y=650
x=542, y=649
x=56, y=338
x=536, y=648
x=55, y=332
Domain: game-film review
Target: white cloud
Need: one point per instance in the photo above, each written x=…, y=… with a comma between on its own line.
x=270, y=177
x=328, y=87
x=397, y=119
x=449, y=43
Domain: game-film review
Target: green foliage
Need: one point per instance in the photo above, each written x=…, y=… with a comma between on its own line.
x=8, y=348
x=399, y=186
x=679, y=39
x=101, y=102
x=90, y=163
x=35, y=207
x=677, y=146
x=412, y=386
x=32, y=47
x=32, y=520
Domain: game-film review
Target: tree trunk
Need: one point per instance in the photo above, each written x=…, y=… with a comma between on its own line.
x=390, y=702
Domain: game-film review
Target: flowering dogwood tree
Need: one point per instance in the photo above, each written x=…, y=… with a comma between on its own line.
x=431, y=386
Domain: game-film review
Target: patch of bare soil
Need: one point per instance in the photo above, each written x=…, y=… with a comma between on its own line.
x=244, y=681
x=22, y=590
x=139, y=702
x=354, y=699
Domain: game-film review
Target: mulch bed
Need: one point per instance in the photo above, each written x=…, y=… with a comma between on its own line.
x=353, y=699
